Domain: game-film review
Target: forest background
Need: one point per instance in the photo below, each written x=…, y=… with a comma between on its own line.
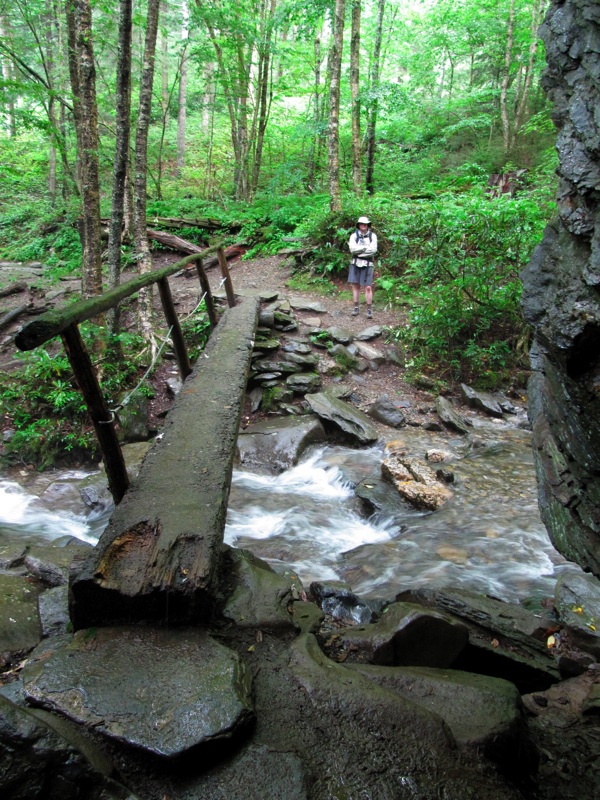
x=279, y=120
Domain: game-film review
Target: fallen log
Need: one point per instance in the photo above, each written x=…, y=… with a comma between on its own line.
x=14, y=288
x=174, y=242
x=10, y=316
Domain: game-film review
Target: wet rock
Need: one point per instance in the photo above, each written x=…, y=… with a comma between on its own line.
x=266, y=345
x=385, y=410
x=305, y=362
x=300, y=304
x=484, y=714
x=133, y=420
x=395, y=354
x=380, y=495
x=186, y=688
x=372, y=332
x=439, y=456
x=343, y=356
x=278, y=444
x=449, y=416
x=257, y=772
x=173, y=386
x=337, y=599
x=348, y=421
x=296, y=346
x=505, y=640
x=577, y=602
x=481, y=400
x=51, y=563
x=20, y=629
x=255, y=396
x=284, y=322
x=12, y=555
x=260, y=597
x=279, y=367
x=415, y=481
x=409, y=635
x=42, y=758
x=592, y=703
x=370, y=353
x=303, y=382
x=341, y=335
x=53, y=608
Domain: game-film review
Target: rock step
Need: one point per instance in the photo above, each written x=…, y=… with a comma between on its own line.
x=160, y=553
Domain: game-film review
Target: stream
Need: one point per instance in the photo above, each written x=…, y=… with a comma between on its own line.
x=489, y=538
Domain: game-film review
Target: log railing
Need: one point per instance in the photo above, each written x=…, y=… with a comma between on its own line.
x=65, y=322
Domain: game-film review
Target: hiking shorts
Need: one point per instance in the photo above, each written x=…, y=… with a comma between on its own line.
x=361, y=275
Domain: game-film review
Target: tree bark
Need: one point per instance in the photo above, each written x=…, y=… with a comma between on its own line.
x=314, y=145
x=506, y=78
x=335, y=65
x=355, y=90
x=265, y=93
x=374, y=105
x=142, y=246
x=83, y=84
x=7, y=75
x=182, y=99
x=122, y=123
x=537, y=12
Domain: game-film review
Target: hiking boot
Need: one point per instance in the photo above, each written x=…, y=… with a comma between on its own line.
x=369, y=313
x=355, y=311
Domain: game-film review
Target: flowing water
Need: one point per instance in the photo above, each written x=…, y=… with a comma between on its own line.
x=488, y=538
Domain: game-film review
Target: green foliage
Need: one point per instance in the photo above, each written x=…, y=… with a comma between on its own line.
x=45, y=407
x=196, y=331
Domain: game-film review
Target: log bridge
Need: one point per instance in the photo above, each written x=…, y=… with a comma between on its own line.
x=159, y=557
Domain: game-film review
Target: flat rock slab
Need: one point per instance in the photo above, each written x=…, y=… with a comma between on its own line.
x=482, y=712
x=409, y=635
x=277, y=444
x=20, y=629
x=159, y=555
x=301, y=304
x=350, y=422
x=37, y=760
x=577, y=601
x=165, y=691
x=450, y=417
x=482, y=401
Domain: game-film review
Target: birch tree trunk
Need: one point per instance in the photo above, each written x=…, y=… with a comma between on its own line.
x=374, y=104
x=335, y=65
x=83, y=84
x=140, y=235
x=355, y=90
x=122, y=123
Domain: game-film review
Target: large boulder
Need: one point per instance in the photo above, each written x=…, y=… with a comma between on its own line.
x=20, y=629
x=577, y=602
x=277, y=444
x=560, y=297
x=348, y=422
x=164, y=691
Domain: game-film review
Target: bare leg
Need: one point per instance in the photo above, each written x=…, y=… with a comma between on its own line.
x=355, y=293
x=369, y=294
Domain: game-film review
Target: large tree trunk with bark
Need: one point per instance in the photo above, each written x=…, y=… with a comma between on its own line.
x=140, y=235
x=506, y=78
x=373, y=107
x=265, y=92
x=182, y=99
x=355, y=91
x=83, y=84
x=123, y=98
x=335, y=65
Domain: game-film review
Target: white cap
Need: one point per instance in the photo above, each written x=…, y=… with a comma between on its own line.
x=364, y=220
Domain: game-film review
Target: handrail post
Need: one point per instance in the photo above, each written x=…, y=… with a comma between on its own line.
x=225, y=273
x=205, y=287
x=102, y=418
x=166, y=299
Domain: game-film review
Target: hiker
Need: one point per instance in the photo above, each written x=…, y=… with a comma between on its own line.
x=363, y=246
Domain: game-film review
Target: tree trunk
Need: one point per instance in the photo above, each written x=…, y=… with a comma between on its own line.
x=506, y=78
x=83, y=84
x=355, y=89
x=374, y=86
x=123, y=126
x=537, y=12
x=164, y=63
x=142, y=246
x=314, y=145
x=7, y=75
x=335, y=65
x=265, y=93
x=182, y=99
x=208, y=97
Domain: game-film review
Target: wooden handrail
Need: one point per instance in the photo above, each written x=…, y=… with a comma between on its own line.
x=54, y=322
